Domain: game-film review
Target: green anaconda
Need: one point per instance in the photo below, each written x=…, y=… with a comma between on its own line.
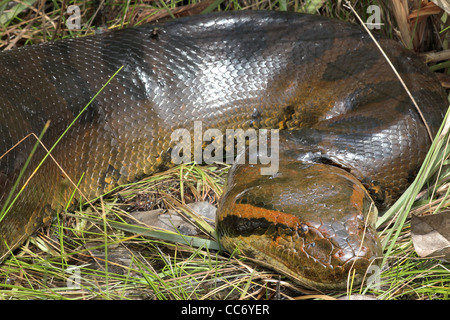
x=353, y=137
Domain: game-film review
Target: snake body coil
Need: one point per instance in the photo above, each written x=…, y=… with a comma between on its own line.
x=357, y=135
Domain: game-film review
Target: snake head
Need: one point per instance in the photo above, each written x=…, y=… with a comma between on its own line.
x=311, y=222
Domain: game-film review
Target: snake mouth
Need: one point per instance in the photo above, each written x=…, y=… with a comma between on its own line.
x=321, y=256
x=318, y=265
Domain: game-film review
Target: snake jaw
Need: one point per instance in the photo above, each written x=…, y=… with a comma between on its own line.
x=317, y=264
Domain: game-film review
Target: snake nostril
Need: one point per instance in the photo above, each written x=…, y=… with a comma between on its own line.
x=362, y=251
x=340, y=253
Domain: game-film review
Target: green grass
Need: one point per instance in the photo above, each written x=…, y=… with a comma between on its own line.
x=142, y=267
x=113, y=264
x=95, y=252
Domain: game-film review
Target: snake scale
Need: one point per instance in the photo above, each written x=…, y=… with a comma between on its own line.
x=353, y=138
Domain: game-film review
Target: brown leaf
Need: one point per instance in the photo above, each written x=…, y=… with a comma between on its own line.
x=443, y=4
x=164, y=219
x=431, y=235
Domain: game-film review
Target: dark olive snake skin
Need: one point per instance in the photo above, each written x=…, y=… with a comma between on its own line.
x=357, y=137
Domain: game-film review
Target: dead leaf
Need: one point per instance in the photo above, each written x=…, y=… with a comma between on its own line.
x=204, y=209
x=431, y=235
x=165, y=219
x=170, y=219
x=443, y=4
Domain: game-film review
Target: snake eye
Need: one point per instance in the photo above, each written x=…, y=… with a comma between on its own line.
x=304, y=228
